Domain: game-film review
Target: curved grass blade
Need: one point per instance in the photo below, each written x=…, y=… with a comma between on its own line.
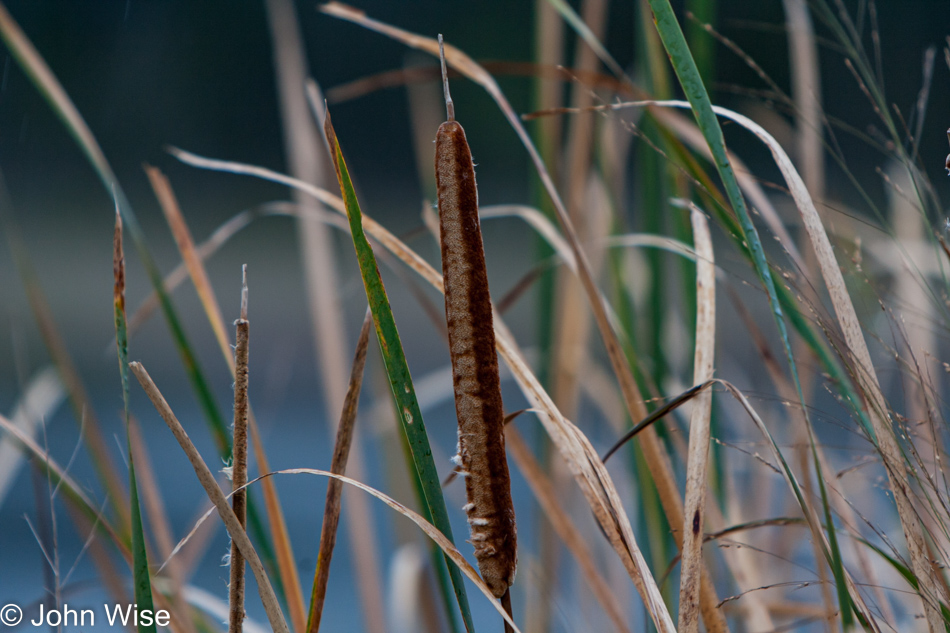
x=688, y=74
x=63, y=481
x=41, y=397
x=140, y=575
x=397, y=369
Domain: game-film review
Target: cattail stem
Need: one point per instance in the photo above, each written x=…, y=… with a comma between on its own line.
x=239, y=463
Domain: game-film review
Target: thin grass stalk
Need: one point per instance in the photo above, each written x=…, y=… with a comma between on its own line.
x=190, y=257
x=572, y=324
x=85, y=515
x=549, y=39
x=39, y=399
x=686, y=71
x=141, y=576
x=341, y=451
x=231, y=522
x=865, y=377
x=306, y=157
x=46, y=83
x=64, y=482
x=844, y=509
x=696, y=480
x=806, y=93
x=647, y=324
x=285, y=564
x=239, y=461
x=441, y=541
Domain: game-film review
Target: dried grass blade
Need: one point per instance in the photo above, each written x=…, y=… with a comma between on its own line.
x=382, y=235
x=439, y=538
x=691, y=565
x=397, y=368
x=43, y=79
x=141, y=577
x=864, y=372
x=811, y=516
x=341, y=451
x=190, y=257
x=231, y=522
x=561, y=521
x=61, y=479
x=570, y=16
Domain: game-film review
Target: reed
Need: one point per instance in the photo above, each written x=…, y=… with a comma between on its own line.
x=671, y=470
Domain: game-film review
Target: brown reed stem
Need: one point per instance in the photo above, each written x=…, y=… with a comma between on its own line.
x=239, y=464
x=341, y=453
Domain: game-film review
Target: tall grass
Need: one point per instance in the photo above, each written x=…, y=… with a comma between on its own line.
x=654, y=239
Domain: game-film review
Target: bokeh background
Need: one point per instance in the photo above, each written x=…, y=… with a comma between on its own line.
x=200, y=76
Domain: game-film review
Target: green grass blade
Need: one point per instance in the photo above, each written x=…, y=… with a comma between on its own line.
x=409, y=414
x=688, y=74
x=689, y=77
x=704, y=12
x=140, y=574
x=33, y=65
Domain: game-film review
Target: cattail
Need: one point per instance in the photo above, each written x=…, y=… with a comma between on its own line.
x=468, y=313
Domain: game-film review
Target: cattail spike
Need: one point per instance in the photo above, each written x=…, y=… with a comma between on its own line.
x=449, y=105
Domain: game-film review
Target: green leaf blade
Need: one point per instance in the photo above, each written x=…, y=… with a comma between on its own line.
x=397, y=368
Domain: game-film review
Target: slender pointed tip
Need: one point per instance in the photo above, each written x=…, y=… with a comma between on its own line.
x=449, y=105
x=244, y=292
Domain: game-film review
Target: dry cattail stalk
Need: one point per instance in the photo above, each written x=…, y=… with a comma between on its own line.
x=468, y=313
x=239, y=461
